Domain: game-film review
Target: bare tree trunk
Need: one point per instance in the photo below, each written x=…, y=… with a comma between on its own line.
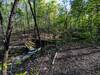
x=5, y=63
x=34, y=17
x=1, y=25
x=35, y=21
x=1, y=36
x=7, y=38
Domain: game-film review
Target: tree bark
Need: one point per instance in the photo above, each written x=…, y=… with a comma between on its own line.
x=34, y=17
x=7, y=38
x=1, y=36
x=1, y=25
x=37, y=34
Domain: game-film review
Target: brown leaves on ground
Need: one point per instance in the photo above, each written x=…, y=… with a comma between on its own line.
x=72, y=60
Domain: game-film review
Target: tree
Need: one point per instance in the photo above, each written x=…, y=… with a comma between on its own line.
x=35, y=21
x=7, y=37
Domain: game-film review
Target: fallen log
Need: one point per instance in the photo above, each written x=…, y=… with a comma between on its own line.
x=22, y=58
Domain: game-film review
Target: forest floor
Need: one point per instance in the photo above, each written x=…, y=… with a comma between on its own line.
x=72, y=59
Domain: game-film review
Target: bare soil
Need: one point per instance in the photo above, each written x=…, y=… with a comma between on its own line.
x=72, y=59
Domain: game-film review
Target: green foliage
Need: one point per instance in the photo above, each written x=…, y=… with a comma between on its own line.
x=80, y=23
x=23, y=73
x=54, y=18
x=0, y=67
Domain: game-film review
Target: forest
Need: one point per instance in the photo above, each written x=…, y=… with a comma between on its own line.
x=49, y=37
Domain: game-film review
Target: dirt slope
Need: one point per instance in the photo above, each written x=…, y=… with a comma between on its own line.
x=72, y=60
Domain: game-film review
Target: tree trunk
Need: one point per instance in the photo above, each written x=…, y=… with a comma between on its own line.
x=1, y=36
x=5, y=63
x=34, y=17
x=36, y=26
x=1, y=25
x=7, y=38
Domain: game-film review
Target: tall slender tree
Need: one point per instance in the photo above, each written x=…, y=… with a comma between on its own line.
x=35, y=21
x=7, y=37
